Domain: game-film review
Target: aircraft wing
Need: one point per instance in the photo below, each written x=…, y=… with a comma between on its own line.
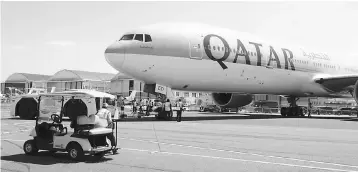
x=337, y=83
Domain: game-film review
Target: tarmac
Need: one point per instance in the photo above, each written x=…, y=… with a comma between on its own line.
x=204, y=142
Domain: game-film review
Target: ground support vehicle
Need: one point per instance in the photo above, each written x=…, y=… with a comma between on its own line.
x=50, y=134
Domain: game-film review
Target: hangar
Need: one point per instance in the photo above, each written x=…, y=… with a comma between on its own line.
x=76, y=79
x=24, y=81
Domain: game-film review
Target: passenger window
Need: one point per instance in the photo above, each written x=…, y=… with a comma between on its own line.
x=213, y=47
x=199, y=46
x=218, y=48
x=127, y=37
x=139, y=37
x=148, y=38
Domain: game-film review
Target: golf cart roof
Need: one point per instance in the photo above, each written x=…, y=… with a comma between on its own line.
x=91, y=93
x=74, y=92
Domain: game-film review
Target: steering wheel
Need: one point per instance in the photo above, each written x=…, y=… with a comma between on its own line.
x=56, y=118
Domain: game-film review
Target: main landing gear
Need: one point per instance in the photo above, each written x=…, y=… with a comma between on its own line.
x=293, y=109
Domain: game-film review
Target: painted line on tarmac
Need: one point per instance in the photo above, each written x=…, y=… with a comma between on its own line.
x=12, y=140
x=243, y=153
x=238, y=159
x=223, y=158
x=24, y=123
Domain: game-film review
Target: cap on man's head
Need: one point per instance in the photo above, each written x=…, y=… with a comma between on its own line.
x=105, y=105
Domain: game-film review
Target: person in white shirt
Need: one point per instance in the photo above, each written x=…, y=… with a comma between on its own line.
x=179, y=112
x=168, y=109
x=105, y=117
x=105, y=120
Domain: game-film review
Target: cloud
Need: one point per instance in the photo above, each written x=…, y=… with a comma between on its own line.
x=62, y=43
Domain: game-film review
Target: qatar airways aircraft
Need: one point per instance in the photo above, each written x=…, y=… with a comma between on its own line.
x=232, y=65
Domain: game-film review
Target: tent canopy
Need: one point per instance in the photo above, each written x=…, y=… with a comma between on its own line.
x=26, y=77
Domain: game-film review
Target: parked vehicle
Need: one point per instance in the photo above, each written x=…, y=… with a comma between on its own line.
x=323, y=110
x=210, y=108
x=50, y=134
x=343, y=111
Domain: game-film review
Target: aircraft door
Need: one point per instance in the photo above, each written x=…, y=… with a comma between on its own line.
x=196, y=48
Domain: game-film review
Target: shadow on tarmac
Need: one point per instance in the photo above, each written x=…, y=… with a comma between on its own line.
x=47, y=158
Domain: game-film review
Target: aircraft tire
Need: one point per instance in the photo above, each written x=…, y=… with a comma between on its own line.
x=283, y=112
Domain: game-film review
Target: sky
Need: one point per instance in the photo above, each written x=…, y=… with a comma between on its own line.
x=46, y=37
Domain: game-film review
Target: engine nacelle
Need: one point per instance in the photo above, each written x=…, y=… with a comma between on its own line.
x=231, y=100
x=355, y=92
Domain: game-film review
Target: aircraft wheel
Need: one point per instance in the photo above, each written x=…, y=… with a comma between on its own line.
x=283, y=112
x=75, y=151
x=30, y=147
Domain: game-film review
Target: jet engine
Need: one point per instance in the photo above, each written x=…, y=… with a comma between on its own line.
x=355, y=92
x=231, y=100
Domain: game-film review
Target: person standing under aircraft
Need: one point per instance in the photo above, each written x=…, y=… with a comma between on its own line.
x=179, y=112
x=309, y=108
x=141, y=104
x=134, y=106
x=168, y=108
x=148, y=102
x=121, y=106
x=105, y=120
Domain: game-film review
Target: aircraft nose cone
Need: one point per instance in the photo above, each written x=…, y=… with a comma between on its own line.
x=115, y=55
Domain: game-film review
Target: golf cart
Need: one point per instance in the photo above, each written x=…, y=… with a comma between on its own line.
x=51, y=135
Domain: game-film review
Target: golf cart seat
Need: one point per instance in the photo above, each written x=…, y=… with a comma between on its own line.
x=88, y=130
x=99, y=131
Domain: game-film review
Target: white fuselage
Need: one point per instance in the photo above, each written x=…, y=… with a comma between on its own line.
x=189, y=57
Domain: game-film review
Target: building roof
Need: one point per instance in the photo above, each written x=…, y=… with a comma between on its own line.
x=26, y=77
x=120, y=76
x=76, y=75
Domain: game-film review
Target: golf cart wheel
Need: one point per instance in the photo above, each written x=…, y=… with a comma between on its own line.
x=30, y=147
x=75, y=151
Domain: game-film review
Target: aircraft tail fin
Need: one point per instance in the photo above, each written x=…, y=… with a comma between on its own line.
x=132, y=96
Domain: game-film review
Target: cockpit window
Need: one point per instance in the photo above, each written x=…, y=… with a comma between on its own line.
x=148, y=38
x=127, y=37
x=139, y=37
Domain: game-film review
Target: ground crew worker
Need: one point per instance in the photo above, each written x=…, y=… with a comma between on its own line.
x=134, y=106
x=309, y=108
x=105, y=120
x=141, y=104
x=179, y=112
x=168, y=108
x=149, y=107
x=121, y=106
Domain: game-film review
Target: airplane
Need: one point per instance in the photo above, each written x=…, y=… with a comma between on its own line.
x=231, y=65
x=131, y=97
